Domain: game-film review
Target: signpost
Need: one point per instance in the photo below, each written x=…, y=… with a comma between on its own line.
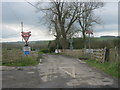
x=71, y=43
x=26, y=48
x=89, y=32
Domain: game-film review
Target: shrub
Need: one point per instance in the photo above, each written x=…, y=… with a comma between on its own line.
x=40, y=54
x=45, y=50
x=52, y=46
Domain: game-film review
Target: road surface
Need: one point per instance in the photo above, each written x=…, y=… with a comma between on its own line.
x=56, y=71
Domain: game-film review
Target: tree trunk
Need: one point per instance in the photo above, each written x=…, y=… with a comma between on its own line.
x=64, y=43
x=84, y=38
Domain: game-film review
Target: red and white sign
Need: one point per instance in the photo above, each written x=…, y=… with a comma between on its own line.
x=26, y=35
x=89, y=32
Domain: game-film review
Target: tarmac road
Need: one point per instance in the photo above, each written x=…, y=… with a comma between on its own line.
x=56, y=71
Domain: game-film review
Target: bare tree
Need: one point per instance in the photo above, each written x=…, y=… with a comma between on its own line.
x=63, y=16
x=54, y=28
x=73, y=32
x=86, y=17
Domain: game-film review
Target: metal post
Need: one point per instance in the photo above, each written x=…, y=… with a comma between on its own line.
x=57, y=48
x=22, y=29
x=89, y=41
x=71, y=43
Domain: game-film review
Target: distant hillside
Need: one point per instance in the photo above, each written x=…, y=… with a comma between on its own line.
x=32, y=44
x=39, y=42
x=108, y=37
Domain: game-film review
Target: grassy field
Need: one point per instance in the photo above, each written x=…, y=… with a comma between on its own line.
x=16, y=57
x=25, y=61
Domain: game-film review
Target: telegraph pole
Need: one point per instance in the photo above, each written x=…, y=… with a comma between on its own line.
x=89, y=41
x=22, y=37
x=22, y=29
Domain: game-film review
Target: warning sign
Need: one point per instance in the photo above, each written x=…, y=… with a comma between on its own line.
x=26, y=35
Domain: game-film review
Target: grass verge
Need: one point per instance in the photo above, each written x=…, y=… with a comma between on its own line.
x=25, y=61
x=17, y=58
x=109, y=68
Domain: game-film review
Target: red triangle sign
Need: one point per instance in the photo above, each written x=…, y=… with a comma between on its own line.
x=26, y=35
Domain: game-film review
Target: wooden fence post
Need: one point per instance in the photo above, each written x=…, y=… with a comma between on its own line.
x=107, y=51
x=116, y=54
x=104, y=54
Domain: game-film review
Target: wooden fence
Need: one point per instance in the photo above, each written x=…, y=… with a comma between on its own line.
x=98, y=54
x=101, y=55
x=113, y=55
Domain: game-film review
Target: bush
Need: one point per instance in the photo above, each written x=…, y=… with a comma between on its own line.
x=33, y=49
x=52, y=46
x=45, y=50
x=52, y=49
x=40, y=54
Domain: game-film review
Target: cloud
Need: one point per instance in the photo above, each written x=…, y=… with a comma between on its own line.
x=109, y=16
x=12, y=15
x=14, y=31
x=15, y=12
x=106, y=28
x=109, y=13
x=9, y=31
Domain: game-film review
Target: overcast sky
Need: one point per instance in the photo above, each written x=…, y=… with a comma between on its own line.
x=15, y=12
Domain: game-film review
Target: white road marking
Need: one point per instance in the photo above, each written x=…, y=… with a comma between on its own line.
x=44, y=78
x=30, y=72
x=81, y=61
x=71, y=72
